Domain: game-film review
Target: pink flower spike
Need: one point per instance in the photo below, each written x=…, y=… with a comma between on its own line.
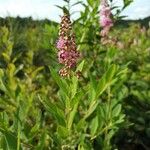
x=67, y=49
x=106, y=21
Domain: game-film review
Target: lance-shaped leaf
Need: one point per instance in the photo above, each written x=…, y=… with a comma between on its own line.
x=61, y=83
x=105, y=81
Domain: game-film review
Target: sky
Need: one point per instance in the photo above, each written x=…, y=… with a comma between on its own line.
x=40, y=9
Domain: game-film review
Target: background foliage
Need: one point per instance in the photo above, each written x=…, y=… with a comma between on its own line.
x=108, y=107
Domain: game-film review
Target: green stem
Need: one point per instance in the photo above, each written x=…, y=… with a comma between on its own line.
x=68, y=104
x=106, y=139
x=109, y=103
x=18, y=139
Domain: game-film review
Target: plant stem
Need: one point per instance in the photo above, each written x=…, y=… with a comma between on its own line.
x=18, y=138
x=106, y=139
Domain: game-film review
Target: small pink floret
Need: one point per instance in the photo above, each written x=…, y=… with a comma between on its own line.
x=106, y=21
x=60, y=43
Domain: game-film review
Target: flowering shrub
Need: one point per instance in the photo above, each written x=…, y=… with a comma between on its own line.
x=100, y=101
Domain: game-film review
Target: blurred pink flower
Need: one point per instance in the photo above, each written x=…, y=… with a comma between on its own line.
x=105, y=10
x=105, y=31
x=106, y=21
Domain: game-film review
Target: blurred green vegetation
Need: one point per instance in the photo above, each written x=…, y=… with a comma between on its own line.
x=27, y=50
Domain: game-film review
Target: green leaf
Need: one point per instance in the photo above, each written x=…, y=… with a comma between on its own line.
x=36, y=71
x=79, y=2
x=67, y=1
x=92, y=108
x=90, y=2
x=10, y=139
x=80, y=66
x=105, y=81
x=6, y=57
x=116, y=110
x=2, y=86
x=74, y=86
x=94, y=125
x=65, y=11
x=72, y=115
x=74, y=106
x=81, y=125
x=34, y=130
x=42, y=141
x=92, y=88
x=55, y=111
x=101, y=87
x=120, y=119
x=61, y=83
x=102, y=111
x=110, y=73
x=62, y=131
x=111, y=53
x=11, y=70
x=127, y=3
x=59, y=7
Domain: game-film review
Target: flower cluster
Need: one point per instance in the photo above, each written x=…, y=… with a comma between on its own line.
x=67, y=50
x=105, y=18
